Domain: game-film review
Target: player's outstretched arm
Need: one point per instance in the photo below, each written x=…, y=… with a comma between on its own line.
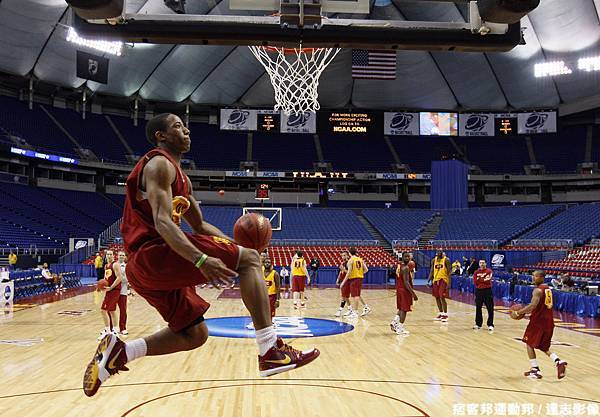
x=159, y=174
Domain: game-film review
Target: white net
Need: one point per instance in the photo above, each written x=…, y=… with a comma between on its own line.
x=295, y=75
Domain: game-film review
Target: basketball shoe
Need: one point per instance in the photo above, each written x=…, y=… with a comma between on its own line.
x=438, y=317
x=283, y=357
x=366, y=310
x=400, y=330
x=533, y=373
x=561, y=368
x=338, y=313
x=109, y=359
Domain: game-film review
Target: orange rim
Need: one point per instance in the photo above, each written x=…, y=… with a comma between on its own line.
x=289, y=51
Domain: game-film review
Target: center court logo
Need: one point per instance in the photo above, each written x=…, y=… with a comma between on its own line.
x=241, y=327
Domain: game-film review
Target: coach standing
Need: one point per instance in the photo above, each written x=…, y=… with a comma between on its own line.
x=483, y=295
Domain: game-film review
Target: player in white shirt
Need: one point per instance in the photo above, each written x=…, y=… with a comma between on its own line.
x=123, y=296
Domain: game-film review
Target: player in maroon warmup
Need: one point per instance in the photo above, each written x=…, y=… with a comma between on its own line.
x=538, y=334
x=405, y=294
x=165, y=264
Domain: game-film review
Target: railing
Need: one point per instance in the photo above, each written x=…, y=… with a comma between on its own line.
x=594, y=242
x=543, y=243
x=33, y=251
x=323, y=242
x=405, y=243
x=488, y=243
x=110, y=232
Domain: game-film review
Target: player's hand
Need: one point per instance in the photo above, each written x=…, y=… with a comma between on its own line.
x=515, y=315
x=277, y=304
x=215, y=270
x=415, y=297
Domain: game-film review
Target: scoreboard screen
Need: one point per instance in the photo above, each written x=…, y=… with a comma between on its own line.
x=339, y=122
x=506, y=126
x=268, y=122
x=262, y=192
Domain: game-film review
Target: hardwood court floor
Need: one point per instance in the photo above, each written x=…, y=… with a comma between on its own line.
x=439, y=370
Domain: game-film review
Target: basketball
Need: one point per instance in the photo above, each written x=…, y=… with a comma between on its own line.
x=101, y=284
x=513, y=309
x=221, y=193
x=253, y=231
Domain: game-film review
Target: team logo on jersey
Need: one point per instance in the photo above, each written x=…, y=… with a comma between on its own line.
x=180, y=205
x=298, y=120
x=536, y=121
x=401, y=121
x=288, y=327
x=476, y=122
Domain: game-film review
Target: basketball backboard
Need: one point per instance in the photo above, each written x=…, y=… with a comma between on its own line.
x=328, y=6
x=360, y=24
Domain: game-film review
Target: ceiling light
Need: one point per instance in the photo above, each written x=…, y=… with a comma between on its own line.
x=110, y=47
x=549, y=69
x=589, y=64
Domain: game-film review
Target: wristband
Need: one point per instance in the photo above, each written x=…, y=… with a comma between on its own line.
x=201, y=261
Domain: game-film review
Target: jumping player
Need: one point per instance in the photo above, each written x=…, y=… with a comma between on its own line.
x=165, y=264
x=355, y=275
x=273, y=283
x=439, y=273
x=538, y=334
x=299, y=278
x=111, y=297
x=405, y=294
x=344, y=289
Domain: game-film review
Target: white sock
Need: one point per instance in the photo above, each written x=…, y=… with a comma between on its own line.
x=266, y=339
x=554, y=357
x=534, y=363
x=135, y=349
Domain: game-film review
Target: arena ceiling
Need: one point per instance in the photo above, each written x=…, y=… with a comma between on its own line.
x=33, y=42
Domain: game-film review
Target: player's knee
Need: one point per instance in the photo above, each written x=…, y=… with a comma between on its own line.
x=197, y=336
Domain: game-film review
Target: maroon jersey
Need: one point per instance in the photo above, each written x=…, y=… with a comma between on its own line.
x=400, y=278
x=138, y=224
x=109, y=275
x=542, y=315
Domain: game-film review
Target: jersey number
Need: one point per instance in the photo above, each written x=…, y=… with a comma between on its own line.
x=358, y=265
x=297, y=264
x=548, y=298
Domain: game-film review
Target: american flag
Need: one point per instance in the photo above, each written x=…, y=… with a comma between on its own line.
x=374, y=64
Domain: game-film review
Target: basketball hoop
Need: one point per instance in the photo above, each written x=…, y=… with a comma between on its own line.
x=295, y=74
